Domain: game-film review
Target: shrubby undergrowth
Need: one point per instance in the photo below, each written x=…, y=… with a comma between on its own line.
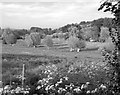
x=76, y=77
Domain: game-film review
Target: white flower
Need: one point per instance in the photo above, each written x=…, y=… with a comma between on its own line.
x=38, y=87
x=48, y=70
x=47, y=88
x=45, y=72
x=39, y=81
x=93, y=91
x=66, y=78
x=102, y=86
x=25, y=92
x=77, y=89
x=88, y=91
x=51, y=86
x=56, y=84
x=71, y=84
x=87, y=83
x=84, y=86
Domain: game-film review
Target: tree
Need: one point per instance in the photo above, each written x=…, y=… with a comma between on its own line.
x=75, y=43
x=107, y=22
x=95, y=33
x=113, y=59
x=48, y=41
x=1, y=32
x=104, y=34
x=8, y=36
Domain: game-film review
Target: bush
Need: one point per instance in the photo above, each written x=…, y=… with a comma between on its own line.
x=104, y=34
x=107, y=47
x=8, y=37
x=28, y=40
x=33, y=39
x=60, y=35
x=36, y=38
x=74, y=43
x=48, y=41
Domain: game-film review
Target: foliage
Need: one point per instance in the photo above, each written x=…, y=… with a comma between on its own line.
x=113, y=59
x=36, y=38
x=95, y=33
x=104, y=34
x=8, y=36
x=20, y=33
x=108, y=22
x=74, y=43
x=1, y=31
x=33, y=39
x=91, y=33
x=107, y=47
x=75, y=77
x=60, y=35
x=48, y=41
x=28, y=40
x=38, y=30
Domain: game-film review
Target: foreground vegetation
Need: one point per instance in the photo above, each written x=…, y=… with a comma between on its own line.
x=45, y=74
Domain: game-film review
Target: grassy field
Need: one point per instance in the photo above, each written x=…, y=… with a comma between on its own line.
x=57, y=50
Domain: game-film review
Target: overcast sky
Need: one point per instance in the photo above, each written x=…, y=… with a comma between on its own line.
x=54, y=14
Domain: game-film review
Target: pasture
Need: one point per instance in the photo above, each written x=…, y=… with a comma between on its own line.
x=61, y=50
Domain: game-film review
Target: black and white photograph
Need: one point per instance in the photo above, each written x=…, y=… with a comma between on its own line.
x=60, y=47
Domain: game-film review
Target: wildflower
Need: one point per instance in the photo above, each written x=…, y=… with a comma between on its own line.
x=38, y=87
x=18, y=89
x=102, y=86
x=25, y=92
x=47, y=88
x=48, y=70
x=87, y=83
x=94, y=91
x=51, y=86
x=45, y=72
x=61, y=80
x=56, y=84
x=88, y=92
x=84, y=86
x=60, y=90
x=77, y=90
x=71, y=84
x=66, y=78
x=66, y=86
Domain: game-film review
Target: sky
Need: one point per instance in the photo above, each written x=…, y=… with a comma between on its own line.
x=48, y=13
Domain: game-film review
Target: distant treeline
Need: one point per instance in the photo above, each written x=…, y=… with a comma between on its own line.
x=85, y=29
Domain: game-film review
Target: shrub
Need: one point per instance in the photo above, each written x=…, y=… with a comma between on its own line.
x=107, y=47
x=1, y=32
x=60, y=35
x=28, y=40
x=36, y=38
x=74, y=42
x=48, y=41
x=8, y=37
x=33, y=39
x=104, y=34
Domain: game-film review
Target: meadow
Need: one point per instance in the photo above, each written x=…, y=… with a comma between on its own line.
x=54, y=64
